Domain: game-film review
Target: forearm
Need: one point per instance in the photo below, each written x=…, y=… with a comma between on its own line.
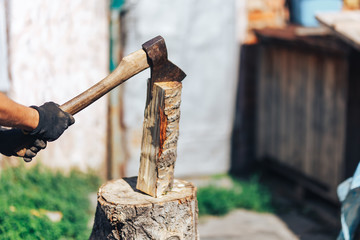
x=16, y=115
x=44, y=123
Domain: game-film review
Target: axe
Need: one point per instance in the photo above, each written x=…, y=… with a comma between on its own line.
x=153, y=54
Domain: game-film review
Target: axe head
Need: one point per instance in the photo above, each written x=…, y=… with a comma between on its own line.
x=162, y=70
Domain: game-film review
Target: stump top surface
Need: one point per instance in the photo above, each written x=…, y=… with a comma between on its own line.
x=123, y=191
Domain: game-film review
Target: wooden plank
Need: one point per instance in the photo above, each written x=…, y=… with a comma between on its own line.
x=290, y=110
x=267, y=81
x=334, y=18
x=261, y=103
x=341, y=99
x=299, y=60
x=266, y=120
x=352, y=87
x=159, y=142
x=274, y=103
x=329, y=141
x=282, y=106
x=345, y=24
x=312, y=31
x=309, y=105
x=288, y=37
x=302, y=99
x=318, y=112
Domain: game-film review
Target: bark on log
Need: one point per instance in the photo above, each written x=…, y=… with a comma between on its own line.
x=125, y=213
x=160, y=136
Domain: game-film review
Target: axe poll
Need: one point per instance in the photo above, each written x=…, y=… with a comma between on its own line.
x=153, y=54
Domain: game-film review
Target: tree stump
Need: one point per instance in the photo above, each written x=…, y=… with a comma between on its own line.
x=123, y=212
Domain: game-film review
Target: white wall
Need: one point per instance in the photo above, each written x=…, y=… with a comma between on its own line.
x=4, y=75
x=58, y=49
x=201, y=39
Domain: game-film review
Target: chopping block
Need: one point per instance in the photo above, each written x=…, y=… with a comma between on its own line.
x=153, y=205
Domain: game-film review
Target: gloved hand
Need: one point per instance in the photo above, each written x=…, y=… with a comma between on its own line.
x=13, y=140
x=52, y=122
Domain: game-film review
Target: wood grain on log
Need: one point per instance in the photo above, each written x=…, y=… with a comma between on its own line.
x=160, y=135
x=125, y=213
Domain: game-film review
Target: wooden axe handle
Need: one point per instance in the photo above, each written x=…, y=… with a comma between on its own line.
x=128, y=67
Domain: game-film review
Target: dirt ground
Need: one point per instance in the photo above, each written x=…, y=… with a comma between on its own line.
x=243, y=225
x=308, y=218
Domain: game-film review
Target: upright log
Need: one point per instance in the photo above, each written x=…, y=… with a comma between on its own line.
x=124, y=213
x=160, y=135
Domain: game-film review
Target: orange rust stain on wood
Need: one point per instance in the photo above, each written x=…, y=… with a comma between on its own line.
x=163, y=125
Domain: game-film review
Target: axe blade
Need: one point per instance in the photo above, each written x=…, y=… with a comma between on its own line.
x=162, y=70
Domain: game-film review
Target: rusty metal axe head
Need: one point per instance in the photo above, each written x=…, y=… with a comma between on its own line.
x=162, y=70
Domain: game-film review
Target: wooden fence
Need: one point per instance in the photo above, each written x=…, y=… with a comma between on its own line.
x=306, y=108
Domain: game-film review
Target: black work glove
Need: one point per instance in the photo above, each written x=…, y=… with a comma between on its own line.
x=13, y=140
x=52, y=122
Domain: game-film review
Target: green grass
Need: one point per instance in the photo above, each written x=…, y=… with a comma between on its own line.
x=26, y=195
x=217, y=200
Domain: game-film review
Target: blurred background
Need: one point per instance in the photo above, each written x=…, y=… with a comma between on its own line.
x=271, y=99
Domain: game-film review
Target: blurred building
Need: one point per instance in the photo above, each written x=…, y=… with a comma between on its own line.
x=51, y=51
